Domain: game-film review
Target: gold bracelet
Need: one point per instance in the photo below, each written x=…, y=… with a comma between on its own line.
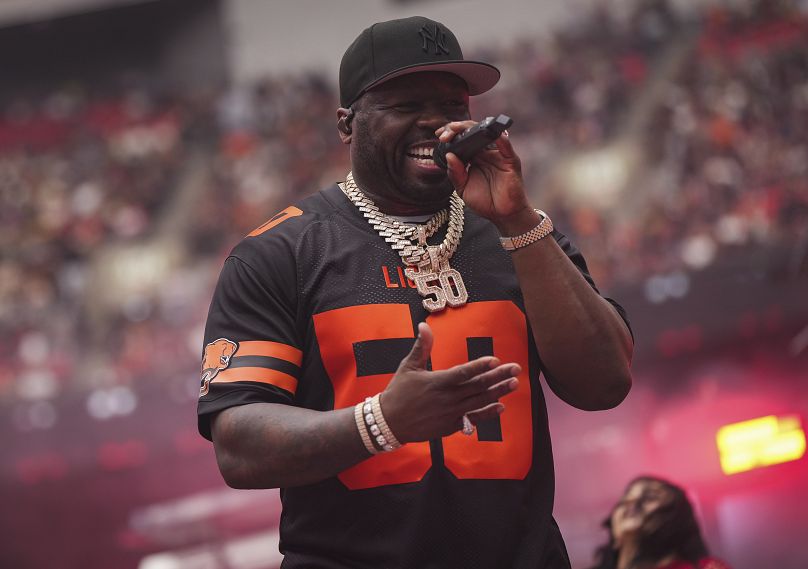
x=386, y=439
x=542, y=230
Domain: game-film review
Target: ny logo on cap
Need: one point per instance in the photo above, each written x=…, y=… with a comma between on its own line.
x=438, y=38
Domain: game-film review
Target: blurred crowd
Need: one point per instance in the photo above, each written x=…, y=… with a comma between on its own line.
x=723, y=168
x=78, y=171
x=726, y=156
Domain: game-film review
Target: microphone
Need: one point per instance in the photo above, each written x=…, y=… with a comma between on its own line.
x=469, y=142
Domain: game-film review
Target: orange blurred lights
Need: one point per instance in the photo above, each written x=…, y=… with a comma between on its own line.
x=760, y=442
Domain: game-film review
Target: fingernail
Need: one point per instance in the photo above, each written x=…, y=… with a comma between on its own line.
x=513, y=383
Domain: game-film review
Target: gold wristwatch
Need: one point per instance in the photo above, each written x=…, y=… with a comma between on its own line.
x=542, y=230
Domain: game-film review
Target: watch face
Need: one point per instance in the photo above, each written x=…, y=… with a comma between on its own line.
x=507, y=243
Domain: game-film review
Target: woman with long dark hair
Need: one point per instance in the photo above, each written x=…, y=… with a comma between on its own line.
x=653, y=526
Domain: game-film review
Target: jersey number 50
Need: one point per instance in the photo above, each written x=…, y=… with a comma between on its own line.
x=465, y=457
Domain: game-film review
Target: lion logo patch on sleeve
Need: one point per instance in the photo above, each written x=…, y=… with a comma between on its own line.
x=215, y=359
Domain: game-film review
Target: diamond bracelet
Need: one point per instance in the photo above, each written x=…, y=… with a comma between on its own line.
x=372, y=426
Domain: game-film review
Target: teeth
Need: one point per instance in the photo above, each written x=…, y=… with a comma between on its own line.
x=427, y=160
x=422, y=152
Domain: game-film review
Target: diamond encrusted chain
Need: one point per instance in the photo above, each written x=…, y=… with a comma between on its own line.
x=428, y=265
x=400, y=236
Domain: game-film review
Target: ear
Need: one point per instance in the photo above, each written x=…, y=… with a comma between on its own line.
x=344, y=117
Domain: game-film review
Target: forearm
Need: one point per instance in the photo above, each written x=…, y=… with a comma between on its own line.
x=265, y=445
x=584, y=344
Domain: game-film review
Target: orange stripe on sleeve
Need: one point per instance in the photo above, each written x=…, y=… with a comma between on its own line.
x=259, y=374
x=270, y=349
x=277, y=219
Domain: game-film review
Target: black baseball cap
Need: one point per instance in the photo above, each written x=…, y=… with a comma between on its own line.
x=398, y=47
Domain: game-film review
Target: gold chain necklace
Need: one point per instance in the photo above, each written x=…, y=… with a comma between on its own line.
x=427, y=265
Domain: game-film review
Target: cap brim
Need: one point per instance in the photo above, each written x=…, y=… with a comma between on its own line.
x=479, y=76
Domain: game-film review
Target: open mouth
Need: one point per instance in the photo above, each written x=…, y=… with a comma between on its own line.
x=421, y=154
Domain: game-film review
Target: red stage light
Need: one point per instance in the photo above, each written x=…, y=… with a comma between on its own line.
x=760, y=442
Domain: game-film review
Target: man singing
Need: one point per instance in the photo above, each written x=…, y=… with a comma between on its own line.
x=375, y=350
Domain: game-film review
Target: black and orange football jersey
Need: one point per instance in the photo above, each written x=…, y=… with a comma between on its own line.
x=313, y=309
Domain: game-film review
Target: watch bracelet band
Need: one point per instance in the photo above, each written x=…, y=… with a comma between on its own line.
x=542, y=230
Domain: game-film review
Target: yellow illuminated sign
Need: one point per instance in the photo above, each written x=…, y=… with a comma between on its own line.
x=760, y=442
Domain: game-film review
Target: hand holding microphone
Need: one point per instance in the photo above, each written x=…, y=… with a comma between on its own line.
x=471, y=141
x=493, y=187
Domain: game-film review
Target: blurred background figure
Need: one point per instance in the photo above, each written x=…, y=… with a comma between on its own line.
x=654, y=526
